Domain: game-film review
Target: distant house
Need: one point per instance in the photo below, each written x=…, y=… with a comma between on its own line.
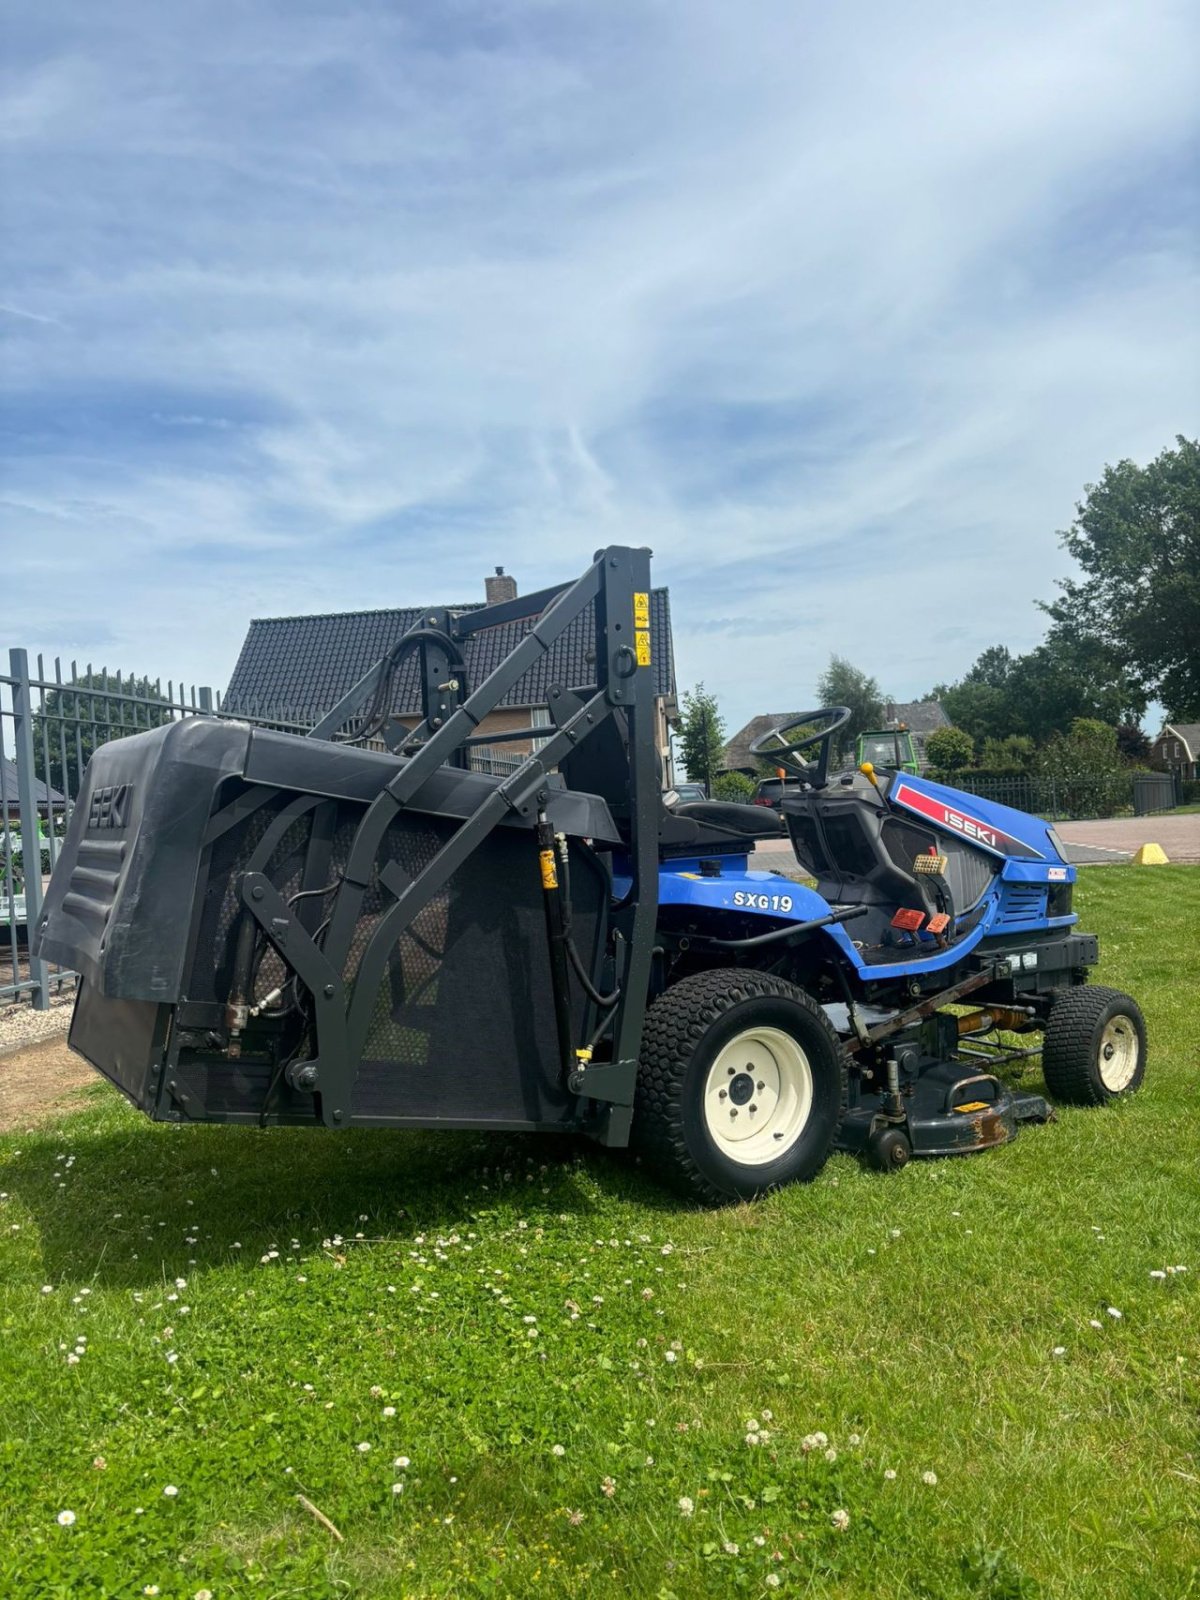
x=1177, y=749
x=736, y=757
x=298, y=668
x=45, y=799
x=920, y=717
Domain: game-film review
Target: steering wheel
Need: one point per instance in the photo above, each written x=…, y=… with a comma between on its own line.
x=784, y=754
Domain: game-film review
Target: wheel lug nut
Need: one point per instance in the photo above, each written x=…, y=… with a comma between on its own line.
x=723, y=1095
x=731, y=1071
x=761, y=1087
x=733, y=1113
x=779, y=1136
x=753, y=1109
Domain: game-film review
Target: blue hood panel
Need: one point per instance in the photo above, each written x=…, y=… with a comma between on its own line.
x=996, y=829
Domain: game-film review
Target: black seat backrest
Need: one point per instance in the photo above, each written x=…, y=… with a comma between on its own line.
x=858, y=850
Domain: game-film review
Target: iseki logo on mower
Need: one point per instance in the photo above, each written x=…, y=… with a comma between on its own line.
x=110, y=807
x=969, y=827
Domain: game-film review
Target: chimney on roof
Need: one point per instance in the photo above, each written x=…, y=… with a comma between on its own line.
x=500, y=588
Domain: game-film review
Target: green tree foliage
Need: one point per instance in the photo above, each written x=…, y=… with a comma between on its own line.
x=1136, y=535
x=1041, y=693
x=1133, y=744
x=733, y=786
x=1090, y=777
x=701, y=736
x=842, y=684
x=87, y=713
x=950, y=749
x=1013, y=754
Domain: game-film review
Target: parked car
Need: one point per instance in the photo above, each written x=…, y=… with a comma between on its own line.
x=684, y=793
x=770, y=791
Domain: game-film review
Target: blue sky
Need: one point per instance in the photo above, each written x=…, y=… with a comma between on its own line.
x=310, y=306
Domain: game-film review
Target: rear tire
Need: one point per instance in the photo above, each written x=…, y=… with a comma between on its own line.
x=1094, y=1049
x=741, y=1085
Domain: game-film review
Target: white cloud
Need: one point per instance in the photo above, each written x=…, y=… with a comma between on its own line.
x=837, y=310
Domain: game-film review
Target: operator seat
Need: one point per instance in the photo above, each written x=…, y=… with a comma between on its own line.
x=861, y=852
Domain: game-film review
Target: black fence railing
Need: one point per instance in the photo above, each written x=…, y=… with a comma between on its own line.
x=1078, y=796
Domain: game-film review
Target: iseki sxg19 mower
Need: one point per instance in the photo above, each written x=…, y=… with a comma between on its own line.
x=354, y=929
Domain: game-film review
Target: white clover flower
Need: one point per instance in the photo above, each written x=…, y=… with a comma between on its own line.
x=401, y=1462
x=181, y=1283
x=772, y=1580
x=47, y=1288
x=669, y=1355
x=362, y=1448
x=854, y=1440
x=840, y=1520
x=890, y=1474
x=529, y=1320
x=397, y=1488
x=759, y=1540
x=1059, y=1350
x=730, y=1548
x=686, y=1505
x=205, y=1594
x=72, y=1359
x=1157, y=1273
x=65, y=1519
x=170, y=1491
x=99, y=1463
x=557, y=1450
x=929, y=1478
x=1094, y=1322
x=768, y=1416
x=752, y=1439
x=1115, y=1314
x=388, y=1411
x=752, y=1425
x=608, y=1487
x=151, y=1588
x=821, y=1438
x=831, y=1454
x=172, y=1357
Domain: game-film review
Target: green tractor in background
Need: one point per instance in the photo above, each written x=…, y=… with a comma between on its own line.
x=889, y=749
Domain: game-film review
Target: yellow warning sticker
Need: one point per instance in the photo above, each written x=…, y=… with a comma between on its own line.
x=973, y=1105
x=641, y=608
x=549, y=874
x=642, y=640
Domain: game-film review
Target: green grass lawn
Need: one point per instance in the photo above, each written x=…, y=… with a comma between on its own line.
x=518, y=1367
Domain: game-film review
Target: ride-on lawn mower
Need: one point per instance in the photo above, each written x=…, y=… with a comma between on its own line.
x=274, y=929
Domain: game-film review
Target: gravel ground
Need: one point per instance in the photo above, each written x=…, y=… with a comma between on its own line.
x=20, y=1024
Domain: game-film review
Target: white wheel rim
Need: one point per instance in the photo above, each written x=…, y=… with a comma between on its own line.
x=1118, y=1056
x=758, y=1096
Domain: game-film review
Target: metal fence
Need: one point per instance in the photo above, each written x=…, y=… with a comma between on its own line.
x=50, y=722
x=1080, y=795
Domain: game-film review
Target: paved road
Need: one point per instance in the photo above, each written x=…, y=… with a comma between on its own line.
x=1087, y=843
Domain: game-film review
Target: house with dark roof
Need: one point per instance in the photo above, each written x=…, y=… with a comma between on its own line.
x=736, y=755
x=295, y=669
x=44, y=798
x=1177, y=749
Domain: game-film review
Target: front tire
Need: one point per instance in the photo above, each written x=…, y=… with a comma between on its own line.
x=741, y=1085
x=1094, y=1049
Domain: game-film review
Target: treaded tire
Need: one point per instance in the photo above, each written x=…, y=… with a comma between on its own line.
x=1074, y=1043
x=685, y=1031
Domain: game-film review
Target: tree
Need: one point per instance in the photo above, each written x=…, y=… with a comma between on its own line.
x=701, y=736
x=1133, y=744
x=733, y=786
x=1041, y=693
x=950, y=749
x=842, y=684
x=86, y=713
x=1136, y=535
x=1012, y=754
